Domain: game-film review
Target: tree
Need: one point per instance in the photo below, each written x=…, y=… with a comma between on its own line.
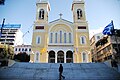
x=6, y=52
x=22, y=57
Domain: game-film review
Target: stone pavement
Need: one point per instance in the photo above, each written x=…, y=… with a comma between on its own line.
x=49, y=71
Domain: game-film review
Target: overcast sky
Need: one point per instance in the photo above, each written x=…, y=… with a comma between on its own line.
x=99, y=13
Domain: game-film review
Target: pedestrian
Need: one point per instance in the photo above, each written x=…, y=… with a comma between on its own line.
x=60, y=72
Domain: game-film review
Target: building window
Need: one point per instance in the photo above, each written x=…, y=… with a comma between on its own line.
x=29, y=49
x=15, y=49
x=60, y=36
x=38, y=40
x=55, y=37
x=64, y=37
x=81, y=27
x=19, y=49
x=51, y=37
x=84, y=57
x=22, y=49
x=39, y=27
x=25, y=49
x=79, y=13
x=82, y=40
x=70, y=38
x=98, y=37
x=37, y=57
x=41, y=14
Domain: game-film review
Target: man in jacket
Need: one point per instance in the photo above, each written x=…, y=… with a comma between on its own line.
x=60, y=72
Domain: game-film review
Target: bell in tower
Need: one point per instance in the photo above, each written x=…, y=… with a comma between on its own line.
x=78, y=10
x=43, y=9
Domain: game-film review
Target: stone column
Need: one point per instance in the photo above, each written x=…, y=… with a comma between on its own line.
x=64, y=57
x=55, y=57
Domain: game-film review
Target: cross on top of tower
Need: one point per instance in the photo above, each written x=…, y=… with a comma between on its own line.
x=60, y=15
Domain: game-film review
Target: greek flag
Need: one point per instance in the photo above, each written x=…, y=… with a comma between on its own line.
x=108, y=30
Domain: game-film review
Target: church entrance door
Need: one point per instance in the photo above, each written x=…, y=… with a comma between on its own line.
x=60, y=57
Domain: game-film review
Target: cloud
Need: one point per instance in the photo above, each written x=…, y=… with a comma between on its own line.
x=95, y=31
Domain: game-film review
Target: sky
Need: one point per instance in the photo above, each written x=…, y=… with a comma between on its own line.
x=99, y=13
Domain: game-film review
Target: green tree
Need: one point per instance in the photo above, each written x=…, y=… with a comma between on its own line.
x=6, y=52
x=22, y=57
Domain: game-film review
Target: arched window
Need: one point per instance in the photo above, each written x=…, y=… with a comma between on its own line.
x=37, y=57
x=82, y=40
x=70, y=37
x=84, y=57
x=60, y=36
x=55, y=37
x=64, y=37
x=79, y=13
x=38, y=40
x=41, y=14
x=15, y=49
x=51, y=37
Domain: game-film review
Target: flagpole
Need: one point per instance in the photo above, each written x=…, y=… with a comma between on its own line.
x=2, y=25
x=117, y=54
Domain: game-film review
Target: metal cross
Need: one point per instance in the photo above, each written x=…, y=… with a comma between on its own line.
x=60, y=15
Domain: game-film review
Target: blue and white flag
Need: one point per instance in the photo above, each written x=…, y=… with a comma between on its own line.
x=108, y=30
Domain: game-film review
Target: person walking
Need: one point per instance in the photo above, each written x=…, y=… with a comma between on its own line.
x=60, y=72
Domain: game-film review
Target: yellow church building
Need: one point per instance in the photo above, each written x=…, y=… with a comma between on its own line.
x=60, y=41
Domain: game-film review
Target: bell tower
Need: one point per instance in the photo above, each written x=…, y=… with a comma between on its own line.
x=42, y=11
x=78, y=11
x=81, y=31
x=40, y=29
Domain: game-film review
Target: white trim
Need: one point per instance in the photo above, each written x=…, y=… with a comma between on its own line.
x=82, y=30
x=39, y=31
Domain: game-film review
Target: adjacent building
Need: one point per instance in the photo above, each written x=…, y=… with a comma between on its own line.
x=11, y=34
x=23, y=48
x=105, y=48
x=93, y=41
x=60, y=41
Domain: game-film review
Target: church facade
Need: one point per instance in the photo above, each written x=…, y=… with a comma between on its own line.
x=60, y=41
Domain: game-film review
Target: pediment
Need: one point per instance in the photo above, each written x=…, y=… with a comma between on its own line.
x=60, y=21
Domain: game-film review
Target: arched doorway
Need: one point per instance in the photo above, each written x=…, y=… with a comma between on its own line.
x=69, y=57
x=51, y=57
x=60, y=57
